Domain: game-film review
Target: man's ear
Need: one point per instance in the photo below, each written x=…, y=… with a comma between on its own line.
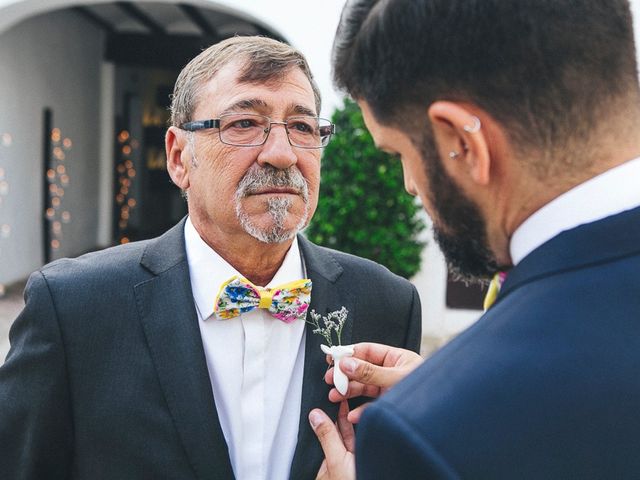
x=461, y=141
x=175, y=142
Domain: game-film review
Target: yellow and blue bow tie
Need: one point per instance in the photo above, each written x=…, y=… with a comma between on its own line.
x=494, y=289
x=287, y=302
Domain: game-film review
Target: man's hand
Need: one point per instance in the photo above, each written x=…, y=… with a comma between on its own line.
x=338, y=443
x=373, y=369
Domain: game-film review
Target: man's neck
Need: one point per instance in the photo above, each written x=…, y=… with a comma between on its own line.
x=255, y=260
x=527, y=194
x=616, y=190
x=541, y=192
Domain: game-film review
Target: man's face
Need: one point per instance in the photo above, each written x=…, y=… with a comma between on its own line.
x=269, y=192
x=459, y=228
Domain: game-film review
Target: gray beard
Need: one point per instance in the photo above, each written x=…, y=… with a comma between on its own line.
x=277, y=207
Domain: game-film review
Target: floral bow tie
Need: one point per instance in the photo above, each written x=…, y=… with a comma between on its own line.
x=287, y=302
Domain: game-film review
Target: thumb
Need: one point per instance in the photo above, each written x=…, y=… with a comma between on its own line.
x=328, y=435
x=368, y=373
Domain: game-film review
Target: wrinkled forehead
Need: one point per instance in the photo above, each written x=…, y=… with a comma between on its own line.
x=288, y=94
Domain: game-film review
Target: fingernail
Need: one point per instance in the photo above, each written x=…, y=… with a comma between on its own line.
x=314, y=419
x=348, y=365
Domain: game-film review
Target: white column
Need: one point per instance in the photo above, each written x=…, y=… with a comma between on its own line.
x=107, y=138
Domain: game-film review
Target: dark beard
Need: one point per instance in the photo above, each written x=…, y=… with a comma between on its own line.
x=458, y=226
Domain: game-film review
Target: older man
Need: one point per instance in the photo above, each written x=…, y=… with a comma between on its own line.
x=187, y=356
x=516, y=122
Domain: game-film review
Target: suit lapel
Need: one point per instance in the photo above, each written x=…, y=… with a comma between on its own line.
x=323, y=271
x=169, y=319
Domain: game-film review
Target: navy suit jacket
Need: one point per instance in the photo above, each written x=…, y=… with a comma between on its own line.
x=107, y=379
x=546, y=385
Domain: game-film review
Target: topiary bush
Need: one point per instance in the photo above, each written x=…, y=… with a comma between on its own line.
x=363, y=207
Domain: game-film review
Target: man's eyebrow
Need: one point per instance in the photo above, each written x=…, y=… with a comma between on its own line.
x=256, y=104
x=302, y=110
x=246, y=104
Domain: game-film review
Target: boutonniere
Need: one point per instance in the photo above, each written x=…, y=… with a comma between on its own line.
x=333, y=322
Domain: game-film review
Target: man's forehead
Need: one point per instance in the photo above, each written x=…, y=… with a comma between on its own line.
x=261, y=105
x=292, y=93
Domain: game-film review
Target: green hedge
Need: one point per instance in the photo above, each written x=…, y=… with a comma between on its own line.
x=364, y=208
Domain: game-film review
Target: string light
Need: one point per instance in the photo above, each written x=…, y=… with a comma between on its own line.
x=58, y=179
x=126, y=171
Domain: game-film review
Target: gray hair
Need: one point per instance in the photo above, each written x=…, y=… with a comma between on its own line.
x=265, y=60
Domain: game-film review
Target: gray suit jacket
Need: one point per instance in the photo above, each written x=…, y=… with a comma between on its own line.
x=107, y=379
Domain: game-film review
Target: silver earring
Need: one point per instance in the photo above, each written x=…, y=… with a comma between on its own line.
x=453, y=154
x=473, y=128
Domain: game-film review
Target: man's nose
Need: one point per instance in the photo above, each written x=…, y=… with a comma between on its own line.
x=277, y=151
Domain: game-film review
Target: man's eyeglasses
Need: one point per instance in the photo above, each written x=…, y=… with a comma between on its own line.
x=251, y=130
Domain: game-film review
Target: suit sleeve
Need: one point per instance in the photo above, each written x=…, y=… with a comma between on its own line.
x=413, y=338
x=389, y=447
x=36, y=432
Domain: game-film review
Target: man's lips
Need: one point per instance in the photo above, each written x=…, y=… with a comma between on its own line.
x=275, y=191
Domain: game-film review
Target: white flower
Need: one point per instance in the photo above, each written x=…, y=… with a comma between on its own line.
x=333, y=321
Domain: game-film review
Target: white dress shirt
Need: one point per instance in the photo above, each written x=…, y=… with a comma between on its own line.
x=611, y=192
x=255, y=365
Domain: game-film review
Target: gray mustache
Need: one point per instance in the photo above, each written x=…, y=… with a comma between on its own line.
x=258, y=178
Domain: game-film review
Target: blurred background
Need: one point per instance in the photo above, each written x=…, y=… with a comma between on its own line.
x=84, y=89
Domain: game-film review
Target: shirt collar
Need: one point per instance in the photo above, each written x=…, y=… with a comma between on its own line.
x=208, y=270
x=611, y=192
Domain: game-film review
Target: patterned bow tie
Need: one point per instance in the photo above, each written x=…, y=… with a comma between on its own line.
x=287, y=302
x=494, y=289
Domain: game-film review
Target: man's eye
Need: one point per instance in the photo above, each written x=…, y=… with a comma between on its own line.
x=301, y=127
x=244, y=123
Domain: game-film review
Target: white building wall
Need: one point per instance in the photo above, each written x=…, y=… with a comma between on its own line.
x=48, y=61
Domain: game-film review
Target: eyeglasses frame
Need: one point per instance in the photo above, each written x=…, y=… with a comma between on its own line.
x=196, y=125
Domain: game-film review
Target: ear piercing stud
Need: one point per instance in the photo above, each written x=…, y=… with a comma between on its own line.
x=453, y=154
x=473, y=128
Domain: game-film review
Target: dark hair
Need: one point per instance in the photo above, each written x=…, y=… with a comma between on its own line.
x=544, y=69
x=264, y=60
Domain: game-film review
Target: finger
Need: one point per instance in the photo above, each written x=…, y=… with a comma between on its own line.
x=328, y=376
x=384, y=355
x=370, y=374
x=354, y=390
x=346, y=428
x=328, y=436
x=375, y=353
x=323, y=472
x=354, y=415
